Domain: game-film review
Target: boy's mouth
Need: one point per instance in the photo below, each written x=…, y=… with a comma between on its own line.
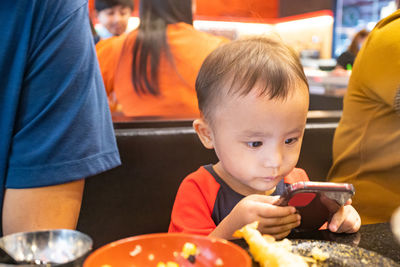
x=270, y=178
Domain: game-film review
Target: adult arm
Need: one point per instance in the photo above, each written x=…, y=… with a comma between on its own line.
x=30, y=209
x=62, y=131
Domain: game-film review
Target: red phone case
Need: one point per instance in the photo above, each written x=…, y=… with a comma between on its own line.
x=316, y=202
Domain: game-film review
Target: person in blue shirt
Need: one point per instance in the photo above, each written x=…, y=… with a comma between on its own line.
x=55, y=126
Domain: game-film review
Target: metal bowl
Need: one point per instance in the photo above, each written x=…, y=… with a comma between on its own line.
x=60, y=247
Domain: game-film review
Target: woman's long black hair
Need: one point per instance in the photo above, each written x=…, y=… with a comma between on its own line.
x=151, y=40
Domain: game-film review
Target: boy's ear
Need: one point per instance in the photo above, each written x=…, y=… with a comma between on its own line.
x=204, y=132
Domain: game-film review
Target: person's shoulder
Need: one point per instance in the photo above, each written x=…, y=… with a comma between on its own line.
x=49, y=16
x=110, y=49
x=201, y=179
x=386, y=32
x=388, y=21
x=382, y=47
x=112, y=42
x=201, y=175
x=58, y=11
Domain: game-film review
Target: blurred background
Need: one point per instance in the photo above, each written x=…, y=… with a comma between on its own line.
x=317, y=29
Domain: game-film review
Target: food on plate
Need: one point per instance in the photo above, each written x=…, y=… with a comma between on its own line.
x=189, y=252
x=219, y=262
x=267, y=251
x=168, y=264
x=136, y=251
x=318, y=254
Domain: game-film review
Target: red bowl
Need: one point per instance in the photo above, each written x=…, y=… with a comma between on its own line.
x=148, y=250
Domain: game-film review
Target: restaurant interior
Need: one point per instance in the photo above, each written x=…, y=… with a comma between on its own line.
x=157, y=152
x=137, y=197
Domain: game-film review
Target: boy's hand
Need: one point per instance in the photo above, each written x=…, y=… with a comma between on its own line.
x=273, y=220
x=345, y=220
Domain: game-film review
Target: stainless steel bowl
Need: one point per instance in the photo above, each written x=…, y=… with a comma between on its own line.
x=48, y=248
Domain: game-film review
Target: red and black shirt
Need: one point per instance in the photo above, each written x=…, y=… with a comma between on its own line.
x=204, y=200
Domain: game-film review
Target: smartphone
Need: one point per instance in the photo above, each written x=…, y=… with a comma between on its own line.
x=316, y=202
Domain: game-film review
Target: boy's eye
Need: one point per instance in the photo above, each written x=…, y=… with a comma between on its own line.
x=290, y=141
x=254, y=144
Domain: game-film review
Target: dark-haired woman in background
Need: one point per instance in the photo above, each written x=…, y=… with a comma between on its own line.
x=151, y=71
x=346, y=59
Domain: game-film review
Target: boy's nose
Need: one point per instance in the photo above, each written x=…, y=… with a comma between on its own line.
x=273, y=159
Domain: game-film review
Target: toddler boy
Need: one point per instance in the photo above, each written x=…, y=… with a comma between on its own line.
x=253, y=98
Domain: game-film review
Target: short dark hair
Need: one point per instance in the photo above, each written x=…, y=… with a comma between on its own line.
x=99, y=5
x=238, y=66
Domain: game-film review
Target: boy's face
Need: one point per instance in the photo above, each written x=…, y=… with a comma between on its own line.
x=115, y=19
x=257, y=140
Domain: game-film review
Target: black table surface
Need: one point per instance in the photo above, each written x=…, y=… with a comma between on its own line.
x=373, y=237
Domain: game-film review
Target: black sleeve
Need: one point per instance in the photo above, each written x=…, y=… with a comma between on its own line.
x=344, y=59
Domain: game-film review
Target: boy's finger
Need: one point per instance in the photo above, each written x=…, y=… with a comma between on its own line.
x=351, y=225
x=336, y=221
x=265, y=199
x=348, y=202
x=279, y=230
x=272, y=211
x=281, y=235
x=280, y=221
x=346, y=220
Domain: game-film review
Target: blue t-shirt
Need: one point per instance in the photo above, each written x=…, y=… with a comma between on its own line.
x=55, y=126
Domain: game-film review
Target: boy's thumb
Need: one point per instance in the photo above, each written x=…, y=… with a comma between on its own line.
x=275, y=200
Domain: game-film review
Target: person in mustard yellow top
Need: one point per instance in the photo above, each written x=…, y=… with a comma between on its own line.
x=151, y=71
x=366, y=146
